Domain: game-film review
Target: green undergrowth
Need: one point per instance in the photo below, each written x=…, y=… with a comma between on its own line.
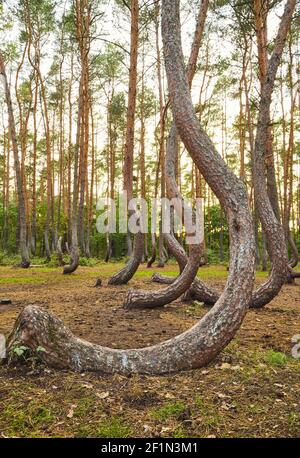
x=42, y=273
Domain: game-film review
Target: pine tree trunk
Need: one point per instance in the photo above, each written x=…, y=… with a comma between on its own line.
x=136, y=256
x=25, y=263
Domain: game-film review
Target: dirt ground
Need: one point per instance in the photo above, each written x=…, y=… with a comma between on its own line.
x=251, y=390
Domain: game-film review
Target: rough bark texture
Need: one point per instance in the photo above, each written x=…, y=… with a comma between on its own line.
x=125, y=274
x=208, y=295
x=199, y=345
x=146, y=299
x=198, y=289
x=271, y=226
x=25, y=263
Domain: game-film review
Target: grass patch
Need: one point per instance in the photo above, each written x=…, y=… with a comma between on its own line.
x=210, y=417
x=29, y=421
x=83, y=407
x=91, y=268
x=275, y=358
x=169, y=410
x=114, y=428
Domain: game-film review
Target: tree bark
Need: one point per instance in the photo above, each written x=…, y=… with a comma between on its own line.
x=25, y=263
x=131, y=267
x=170, y=167
x=125, y=274
x=74, y=261
x=270, y=224
x=146, y=299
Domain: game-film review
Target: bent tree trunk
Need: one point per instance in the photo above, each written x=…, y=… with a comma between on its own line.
x=142, y=299
x=198, y=288
x=295, y=254
x=271, y=226
x=153, y=251
x=208, y=295
x=125, y=274
x=131, y=267
x=199, y=345
x=180, y=256
x=25, y=262
x=74, y=261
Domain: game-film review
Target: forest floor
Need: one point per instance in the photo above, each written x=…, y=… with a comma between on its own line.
x=251, y=390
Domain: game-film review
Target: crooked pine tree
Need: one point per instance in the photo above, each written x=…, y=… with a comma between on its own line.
x=200, y=344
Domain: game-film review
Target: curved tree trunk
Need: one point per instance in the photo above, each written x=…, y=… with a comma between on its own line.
x=271, y=226
x=74, y=261
x=188, y=269
x=199, y=345
x=153, y=251
x=208, y=295
x=150, y=299
x=180, y=256
x=131, y=267
x=198, y=288
x=123, y=277
x=295, y=254
x=25, y=262
x=172, y=188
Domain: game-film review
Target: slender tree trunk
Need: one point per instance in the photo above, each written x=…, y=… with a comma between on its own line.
x=131, y=267
x=20, y=190
x=74, y=262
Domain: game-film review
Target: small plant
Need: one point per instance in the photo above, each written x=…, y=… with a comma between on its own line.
x=275, y=358
x=169, y=410
x=21, y=352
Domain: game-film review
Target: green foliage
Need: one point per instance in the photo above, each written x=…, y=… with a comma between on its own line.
x=20, y=351
x=25, y=353
x=275, y=358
